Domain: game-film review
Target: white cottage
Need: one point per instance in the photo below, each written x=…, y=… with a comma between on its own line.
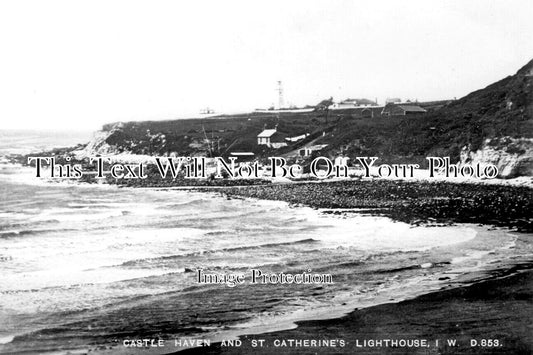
x=264, y=137
x=271, y=138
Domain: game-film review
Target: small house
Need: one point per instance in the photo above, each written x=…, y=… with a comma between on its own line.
x=271, y=138
x=366, y=112
x=264, y=137
x=402, y=110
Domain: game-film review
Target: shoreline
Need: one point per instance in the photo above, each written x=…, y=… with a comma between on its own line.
x=498, y=203
x=410, y=202
x=306, y=323
x=429, y=316
x=335, y=317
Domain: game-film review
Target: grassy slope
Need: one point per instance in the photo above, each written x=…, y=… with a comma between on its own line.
x=236, y=132
x=444, y=132
x=470, y=120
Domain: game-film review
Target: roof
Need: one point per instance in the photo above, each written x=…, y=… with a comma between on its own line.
x=358, y=102
x=266, y=133
x=297, y=138
x=315, y=147
x=393, y=100
x=242, y=153
x=411, y=108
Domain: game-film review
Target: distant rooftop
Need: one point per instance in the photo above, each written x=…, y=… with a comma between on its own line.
x=358, y=102
x=267, y=133
x=393, y=100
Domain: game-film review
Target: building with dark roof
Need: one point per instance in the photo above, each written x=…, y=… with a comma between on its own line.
x=402, y=110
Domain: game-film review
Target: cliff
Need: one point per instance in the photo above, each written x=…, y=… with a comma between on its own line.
x=512, y=156
x=508, y=107
x=490, y=125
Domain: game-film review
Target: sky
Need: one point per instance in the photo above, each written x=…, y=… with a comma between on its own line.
x=80, y=64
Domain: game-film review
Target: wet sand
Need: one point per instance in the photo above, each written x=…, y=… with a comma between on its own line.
x=499, y=307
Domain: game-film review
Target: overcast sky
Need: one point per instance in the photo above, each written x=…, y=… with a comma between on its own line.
x=79, y=64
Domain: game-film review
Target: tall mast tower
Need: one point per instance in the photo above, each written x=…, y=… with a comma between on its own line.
x=281, y=103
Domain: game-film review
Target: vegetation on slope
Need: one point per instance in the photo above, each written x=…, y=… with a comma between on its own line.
x=504, y=108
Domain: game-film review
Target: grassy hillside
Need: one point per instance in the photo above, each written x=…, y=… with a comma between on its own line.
x=504, y=108
x=225, y=133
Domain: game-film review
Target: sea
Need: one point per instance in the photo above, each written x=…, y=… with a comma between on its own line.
x=86, y=266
